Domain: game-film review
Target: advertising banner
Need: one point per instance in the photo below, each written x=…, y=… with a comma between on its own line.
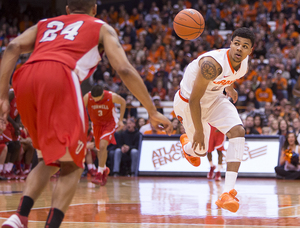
x=164, y=155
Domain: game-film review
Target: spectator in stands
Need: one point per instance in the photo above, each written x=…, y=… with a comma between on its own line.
x=128, y=144
x=159, y=90
x=154, y=131
x=281, y=85
x=249, y=126
x=156, y=100
x=274, y=127
x=250, y=111
x=283, y=127
x=139, y=123
x=251, y=98
x=130, y=110
x=258, y=123
x=263, y=94
x=289, y=167
x=175, y=123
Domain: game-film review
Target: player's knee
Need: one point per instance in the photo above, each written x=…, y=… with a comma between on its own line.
x=69, y=167
x=235, y=149
x=236, y=131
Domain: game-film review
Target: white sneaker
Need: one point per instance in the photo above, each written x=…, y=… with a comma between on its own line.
x=16, y=221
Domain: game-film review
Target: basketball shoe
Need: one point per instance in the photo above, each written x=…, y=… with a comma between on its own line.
x=195, y=161
x=218, y=176
x=16, y=221
x=101, y=178
x=92, y=172
x=211, y=173
x=228, y=201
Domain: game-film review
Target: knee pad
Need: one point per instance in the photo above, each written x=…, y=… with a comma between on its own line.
x=235, y=149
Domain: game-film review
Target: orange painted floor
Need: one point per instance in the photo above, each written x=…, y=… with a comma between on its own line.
x=161, y=202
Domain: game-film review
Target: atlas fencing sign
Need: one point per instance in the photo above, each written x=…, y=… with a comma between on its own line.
x=163, y=154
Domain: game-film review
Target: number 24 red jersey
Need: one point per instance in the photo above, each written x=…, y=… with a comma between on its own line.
x=70, y=39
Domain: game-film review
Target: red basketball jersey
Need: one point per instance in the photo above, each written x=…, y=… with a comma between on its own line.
x=69, y=39
x=103, y=111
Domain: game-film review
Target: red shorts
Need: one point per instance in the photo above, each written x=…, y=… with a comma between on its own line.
x=216, y=140
x=5, y=136
x=50, y=104
x=106, y=132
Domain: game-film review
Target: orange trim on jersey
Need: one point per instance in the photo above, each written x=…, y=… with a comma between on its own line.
x=183, y=98
x=229, y=61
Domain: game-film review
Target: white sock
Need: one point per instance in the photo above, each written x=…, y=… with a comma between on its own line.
x=220, y=168
x=230, y=179
x=211, y=164
x=101, y=169
x=94, y=167
x=1, y=168
x=90, y=166
x=8, y=167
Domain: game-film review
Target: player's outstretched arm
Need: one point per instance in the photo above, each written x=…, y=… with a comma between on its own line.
x=22, y=44
x=209, y=69
x=86, y=99
x=117, y=99
x=130, y=77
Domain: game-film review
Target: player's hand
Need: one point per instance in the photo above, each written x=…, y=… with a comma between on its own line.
x=4, y=111
x=198, y=140
x=120, y=125
x=231, y=92
x=160, y=122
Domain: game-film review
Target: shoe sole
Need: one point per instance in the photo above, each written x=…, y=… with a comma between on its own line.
x=231, y=205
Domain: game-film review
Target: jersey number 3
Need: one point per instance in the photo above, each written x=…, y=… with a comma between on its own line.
x=70, y=31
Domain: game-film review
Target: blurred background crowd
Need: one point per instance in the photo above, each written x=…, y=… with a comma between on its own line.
x=267, y=103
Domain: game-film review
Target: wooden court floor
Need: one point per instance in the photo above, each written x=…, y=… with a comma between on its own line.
x=161, y=202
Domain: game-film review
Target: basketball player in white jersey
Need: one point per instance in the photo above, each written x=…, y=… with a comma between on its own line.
x=200, y=102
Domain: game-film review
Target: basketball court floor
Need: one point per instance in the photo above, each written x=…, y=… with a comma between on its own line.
x=163, y=202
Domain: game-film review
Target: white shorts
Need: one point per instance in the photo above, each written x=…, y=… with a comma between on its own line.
x=222, y=114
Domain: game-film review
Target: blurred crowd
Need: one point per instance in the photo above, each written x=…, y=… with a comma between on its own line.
x=266, y=102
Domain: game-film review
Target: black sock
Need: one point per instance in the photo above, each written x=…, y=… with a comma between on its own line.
x=25, y=206
x=55, y=218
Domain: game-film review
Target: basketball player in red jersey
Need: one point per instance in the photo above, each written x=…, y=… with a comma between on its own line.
x=100, y=105
x=66, y=50
x=14, y=145
x=216, y=141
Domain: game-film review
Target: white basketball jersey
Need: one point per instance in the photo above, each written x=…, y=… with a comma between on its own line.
x=215, y=87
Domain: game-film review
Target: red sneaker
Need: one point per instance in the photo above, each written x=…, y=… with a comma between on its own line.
x=211, y=173
x=228, y=201
x=195, y=161
x=92, y=172
x=10, y=176
x=16, y=221
x=104, y=176
x=21, y=174
x=218, y=176
x=97, y=179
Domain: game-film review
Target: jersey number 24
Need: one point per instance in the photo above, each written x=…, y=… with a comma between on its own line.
x=70, y=31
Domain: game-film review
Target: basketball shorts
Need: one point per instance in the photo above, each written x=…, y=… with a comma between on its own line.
x=222, y=114
x=50, y=104
x=104, y=132
x=216, y=140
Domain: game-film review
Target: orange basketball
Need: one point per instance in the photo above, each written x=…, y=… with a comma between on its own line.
x=188, y=24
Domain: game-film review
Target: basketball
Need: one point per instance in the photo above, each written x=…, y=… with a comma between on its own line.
x=188, y=24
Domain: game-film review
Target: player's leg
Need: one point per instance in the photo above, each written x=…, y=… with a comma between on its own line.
x=64, y=190
x=134, y=155
x=224, y=116
x=181, y=109
x=219, y=168
x=3, y=154
x=103, y=171
x=13, y=152
x=117, y=161
x=90, y=164
x=211, y=173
